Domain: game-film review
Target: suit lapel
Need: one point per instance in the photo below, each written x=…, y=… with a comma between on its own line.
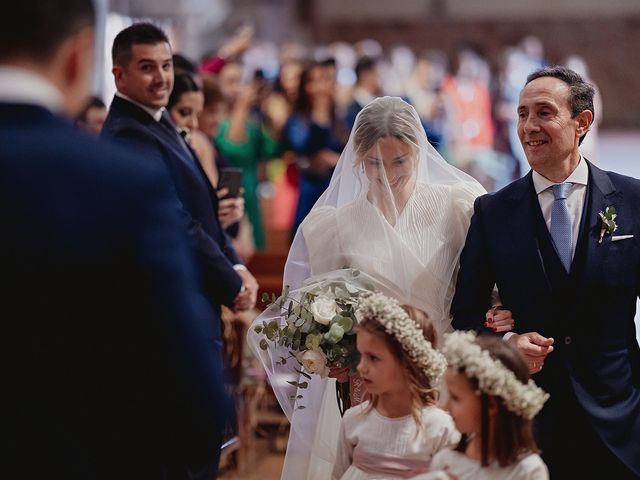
x=170, y=138
x=602, y=194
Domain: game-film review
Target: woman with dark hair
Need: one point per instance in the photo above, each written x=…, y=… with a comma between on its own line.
x=311, y=134
x=185, y=105
x=245, y=139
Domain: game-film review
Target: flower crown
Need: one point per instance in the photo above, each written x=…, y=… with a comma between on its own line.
x=396, y=322
x=523, y=399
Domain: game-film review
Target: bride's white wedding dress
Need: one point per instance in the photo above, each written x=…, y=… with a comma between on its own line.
x=409, y=252
x=412, y=258
x=411, y=261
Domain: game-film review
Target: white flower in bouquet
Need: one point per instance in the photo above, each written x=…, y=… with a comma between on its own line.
x=315, y=361
x=323, y=309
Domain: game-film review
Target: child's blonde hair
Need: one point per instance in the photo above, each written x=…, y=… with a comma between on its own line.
x=422, y=393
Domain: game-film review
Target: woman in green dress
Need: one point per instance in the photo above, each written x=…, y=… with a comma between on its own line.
x=244, y=141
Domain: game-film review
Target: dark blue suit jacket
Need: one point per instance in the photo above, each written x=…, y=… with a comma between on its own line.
x=128, y=124
x=589, y=313
x=109, y=366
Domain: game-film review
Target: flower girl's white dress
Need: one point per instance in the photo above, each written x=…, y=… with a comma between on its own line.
x=372, y=446
x=529, y=467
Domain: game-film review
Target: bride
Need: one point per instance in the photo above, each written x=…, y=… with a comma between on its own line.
x=396, y=211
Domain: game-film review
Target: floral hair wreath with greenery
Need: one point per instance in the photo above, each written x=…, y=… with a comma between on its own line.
x=396, y=322
x=462, y=352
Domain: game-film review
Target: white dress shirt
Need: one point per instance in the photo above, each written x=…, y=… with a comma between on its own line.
x=575, y=198
x=18, y=85
x=155, y=113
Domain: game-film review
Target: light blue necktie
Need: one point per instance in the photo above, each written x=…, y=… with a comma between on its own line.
x=561, y=229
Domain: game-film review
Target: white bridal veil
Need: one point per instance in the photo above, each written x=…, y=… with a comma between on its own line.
x=396, y=211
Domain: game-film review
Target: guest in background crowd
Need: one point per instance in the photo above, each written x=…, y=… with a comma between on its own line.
x=185, y=106
x=367, y=88
x=313, y=134
x=92, y=117
x=244, y=138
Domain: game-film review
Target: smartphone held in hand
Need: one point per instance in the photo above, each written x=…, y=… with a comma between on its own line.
x=231, y=179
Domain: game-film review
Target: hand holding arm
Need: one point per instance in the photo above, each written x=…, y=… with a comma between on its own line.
x=499, y=319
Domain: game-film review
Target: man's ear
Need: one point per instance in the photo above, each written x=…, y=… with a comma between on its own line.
x=584, y=119
x=118, y=73
x=75, y=58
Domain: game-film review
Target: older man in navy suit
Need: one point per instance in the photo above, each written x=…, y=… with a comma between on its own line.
x=570, y=277
x=109, y=370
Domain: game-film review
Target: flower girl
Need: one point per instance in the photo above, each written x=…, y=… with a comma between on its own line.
x=396, y=432
x=492, y=401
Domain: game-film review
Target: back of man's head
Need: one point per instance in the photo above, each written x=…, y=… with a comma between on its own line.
x=138, y=33
x=35, y=29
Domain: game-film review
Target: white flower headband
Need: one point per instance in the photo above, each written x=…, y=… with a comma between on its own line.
x=462, y=351
x=387, y=312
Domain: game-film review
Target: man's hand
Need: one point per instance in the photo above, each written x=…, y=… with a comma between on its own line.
x=499, y=319
x=534, y=349
x=230, y=210
x=246, y=299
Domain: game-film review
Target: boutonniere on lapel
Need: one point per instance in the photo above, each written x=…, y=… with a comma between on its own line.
x=608, y=223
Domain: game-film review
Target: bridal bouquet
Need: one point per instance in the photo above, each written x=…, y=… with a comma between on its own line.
x=314, y=328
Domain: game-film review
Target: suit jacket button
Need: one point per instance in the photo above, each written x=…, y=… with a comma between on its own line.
x=567, y=340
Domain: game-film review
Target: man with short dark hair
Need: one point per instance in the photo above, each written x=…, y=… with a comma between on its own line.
x=109, y=371
x=143, y=72
x=367, y=88
x=560, y=245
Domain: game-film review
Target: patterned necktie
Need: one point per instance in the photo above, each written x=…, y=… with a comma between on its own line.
x=561, y=229
x=172, y=130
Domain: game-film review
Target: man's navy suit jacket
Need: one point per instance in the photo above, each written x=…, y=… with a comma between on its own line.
x=131, y=126
x=590, y=313
x=109, y=370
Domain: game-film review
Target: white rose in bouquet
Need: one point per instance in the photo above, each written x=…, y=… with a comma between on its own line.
x=315, y=361
x=323, y=309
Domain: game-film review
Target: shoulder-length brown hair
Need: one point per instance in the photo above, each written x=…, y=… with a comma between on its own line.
x=512, y=434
